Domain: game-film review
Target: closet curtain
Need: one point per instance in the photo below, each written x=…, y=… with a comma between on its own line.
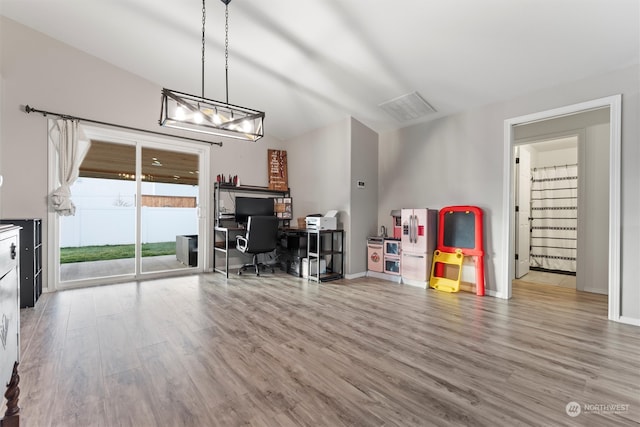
x=72, y=147
x=554, y=217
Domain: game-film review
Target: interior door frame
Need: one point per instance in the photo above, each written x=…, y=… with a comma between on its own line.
x=135, y=139
x=519, y=153
x=614, y=103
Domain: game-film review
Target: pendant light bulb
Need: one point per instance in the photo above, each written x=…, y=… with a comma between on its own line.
x=180, y=114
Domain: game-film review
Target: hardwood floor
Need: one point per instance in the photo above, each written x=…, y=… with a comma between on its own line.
x=278, y=351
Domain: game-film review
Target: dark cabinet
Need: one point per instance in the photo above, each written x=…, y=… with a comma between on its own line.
x=30, y=259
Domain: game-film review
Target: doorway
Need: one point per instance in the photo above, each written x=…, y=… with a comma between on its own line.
x=547, y=188
x=140, y=211
x=612, y=257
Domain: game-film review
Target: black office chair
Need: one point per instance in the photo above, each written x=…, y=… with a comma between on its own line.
x=261, y=238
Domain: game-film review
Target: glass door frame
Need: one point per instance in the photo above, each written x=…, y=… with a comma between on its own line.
x=139, y=141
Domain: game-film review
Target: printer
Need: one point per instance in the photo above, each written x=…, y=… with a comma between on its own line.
x=327, y=222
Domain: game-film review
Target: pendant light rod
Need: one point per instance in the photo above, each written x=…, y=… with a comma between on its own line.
x=226, y=46
x=204, y=19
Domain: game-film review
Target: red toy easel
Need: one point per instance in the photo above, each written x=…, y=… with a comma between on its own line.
x=460, y=227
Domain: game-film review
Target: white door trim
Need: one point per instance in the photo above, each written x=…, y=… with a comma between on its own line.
x=615, y=113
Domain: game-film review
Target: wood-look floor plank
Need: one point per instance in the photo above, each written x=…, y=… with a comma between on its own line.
x=80, y=385
x=279, y=351
x=89, y=414
x=131, y=399
x=175, y=397
x=117, y=349
x=38, y=381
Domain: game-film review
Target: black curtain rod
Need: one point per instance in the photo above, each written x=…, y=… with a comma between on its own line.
x=29, y=109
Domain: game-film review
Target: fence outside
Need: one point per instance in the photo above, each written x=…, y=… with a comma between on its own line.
x=116, y=225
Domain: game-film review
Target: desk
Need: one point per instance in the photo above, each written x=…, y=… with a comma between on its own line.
x=295, y=244
x=292, y=248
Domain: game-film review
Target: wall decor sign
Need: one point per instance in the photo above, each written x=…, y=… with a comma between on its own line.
x=277, y=166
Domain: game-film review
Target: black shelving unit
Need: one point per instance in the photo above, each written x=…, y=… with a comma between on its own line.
x=30, y=259
x=292, y=250
x=327, y=245
x=222, y=187
x=219, y=188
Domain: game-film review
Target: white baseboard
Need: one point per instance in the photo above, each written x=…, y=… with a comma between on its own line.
x=355, y=275
x=495, y=294
x=416, y=283
x=595, y=291
x=384, y=276
x=629, y=320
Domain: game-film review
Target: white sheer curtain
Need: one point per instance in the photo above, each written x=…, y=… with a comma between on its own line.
x=72, y=146
x=554, y=208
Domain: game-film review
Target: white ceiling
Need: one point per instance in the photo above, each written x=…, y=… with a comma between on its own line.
x=556, y=144
x=311, y=63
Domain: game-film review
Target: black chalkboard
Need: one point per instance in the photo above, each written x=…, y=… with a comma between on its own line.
x=459, y=230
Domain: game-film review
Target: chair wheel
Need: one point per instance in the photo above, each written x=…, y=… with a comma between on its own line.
x=257, y=274
x=239, y=273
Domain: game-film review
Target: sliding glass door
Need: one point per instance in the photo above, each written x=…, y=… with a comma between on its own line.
x=99, y=240
x=139, y=212
x=169, y=210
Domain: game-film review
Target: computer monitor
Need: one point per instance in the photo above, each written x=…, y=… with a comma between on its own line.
x=249, y=206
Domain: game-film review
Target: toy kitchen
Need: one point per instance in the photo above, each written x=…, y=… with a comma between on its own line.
x=383, y=251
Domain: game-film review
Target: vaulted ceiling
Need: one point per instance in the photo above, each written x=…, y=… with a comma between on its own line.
x=310, y=63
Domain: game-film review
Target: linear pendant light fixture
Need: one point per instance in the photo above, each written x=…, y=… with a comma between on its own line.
x=199, y=114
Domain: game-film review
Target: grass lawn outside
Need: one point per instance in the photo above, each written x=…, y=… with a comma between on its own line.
x=107, y=252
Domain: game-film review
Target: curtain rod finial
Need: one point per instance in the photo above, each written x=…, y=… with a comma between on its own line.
x=28, y=109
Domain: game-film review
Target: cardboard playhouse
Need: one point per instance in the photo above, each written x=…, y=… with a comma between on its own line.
x=460, y=236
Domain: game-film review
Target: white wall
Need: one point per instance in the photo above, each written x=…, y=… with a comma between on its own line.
x=319, y=163
x=565, y=156
x=363, y=201
x=592, y=271
x=458, y=160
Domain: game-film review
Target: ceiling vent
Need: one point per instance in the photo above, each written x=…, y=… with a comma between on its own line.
x=407, y=107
